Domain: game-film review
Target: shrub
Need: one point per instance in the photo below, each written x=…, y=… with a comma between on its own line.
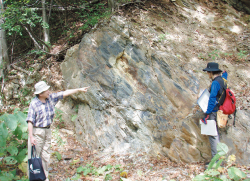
x=13, y=145
x=217, y=173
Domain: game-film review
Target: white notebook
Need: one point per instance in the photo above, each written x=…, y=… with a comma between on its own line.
x=209, y=128
x=203, y=100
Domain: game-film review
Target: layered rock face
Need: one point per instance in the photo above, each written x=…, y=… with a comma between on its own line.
x=142, y=99
x=242, y=5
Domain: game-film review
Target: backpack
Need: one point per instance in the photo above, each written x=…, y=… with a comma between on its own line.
x=228, y=106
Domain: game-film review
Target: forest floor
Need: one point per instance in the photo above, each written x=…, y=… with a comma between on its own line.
x=68, y=155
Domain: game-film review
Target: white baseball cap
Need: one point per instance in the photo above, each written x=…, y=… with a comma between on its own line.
x=41, y=87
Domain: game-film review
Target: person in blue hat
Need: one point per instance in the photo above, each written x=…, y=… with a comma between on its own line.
x=216, y=96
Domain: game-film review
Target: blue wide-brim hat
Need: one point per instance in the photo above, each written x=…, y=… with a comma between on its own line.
x=212, y=67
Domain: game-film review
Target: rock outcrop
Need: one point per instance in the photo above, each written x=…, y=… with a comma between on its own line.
x=145, y=81
x=241, y=5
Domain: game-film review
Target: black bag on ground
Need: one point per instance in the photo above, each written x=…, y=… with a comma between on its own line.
x=36, y=172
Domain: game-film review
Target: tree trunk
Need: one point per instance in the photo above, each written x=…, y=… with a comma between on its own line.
x=37, y=42
x=45, y=30
x=4, y=58
x=37, y=45
x=111, y=4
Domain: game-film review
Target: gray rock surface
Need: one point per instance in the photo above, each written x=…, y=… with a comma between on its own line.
x=143, y=94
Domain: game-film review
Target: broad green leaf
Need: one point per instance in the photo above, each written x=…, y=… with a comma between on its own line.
x=23, y=167
x=11, y=122
x=87, y=171
x=108, y=177
x=214, y=159
x=232, y=174
x=3, y=150
x=2, y=142
x=200, y=178
x=224, y=178
x=238, y=172
x=212, y=172
x=7, y=176
x=74, y=117
x=18, y=132
x=23, y=127
x=22, y=156
x=218, y=163
x=4, y=117
x=16, y=110
x=80, y=169
x=108, y=167
x=58, y=156
x=13, y=172
x=10, y=160
x=25, y=136
x=21, y=117
x=118, y=167
x=101, y=170
x=12, y=150
x=222, y=149
x=3, y=131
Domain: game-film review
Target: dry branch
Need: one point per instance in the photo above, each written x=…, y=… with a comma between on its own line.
x=20, y=69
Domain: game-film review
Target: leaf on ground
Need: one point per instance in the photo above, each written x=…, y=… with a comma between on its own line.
x=124, y=174
x=23, y=167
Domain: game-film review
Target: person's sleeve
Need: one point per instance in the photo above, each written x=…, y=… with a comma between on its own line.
x=215, y=87
x=31, y=115
x=55, y=97
x=224, y=75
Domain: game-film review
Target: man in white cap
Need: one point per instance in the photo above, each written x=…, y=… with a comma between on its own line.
x=40, y=117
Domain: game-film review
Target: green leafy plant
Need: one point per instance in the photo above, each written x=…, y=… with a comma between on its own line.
x=108, y=177
x=215, y=172
x=214, y=54
x=36, y=52
x=93, y=15
x=74, y=117
x=201, y=56
x=16, y=18
x=58, y=116
x=58, y=138
x=90, y=169
x=162, y=37
x=13, y=144
x=58, y=155
x=118, y=168
x=242, y=54
x=22, y=97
